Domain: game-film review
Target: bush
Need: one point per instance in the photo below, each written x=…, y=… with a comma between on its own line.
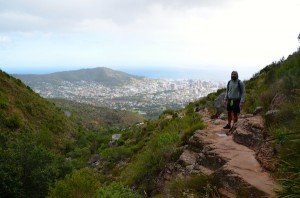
x=116, y=154
x=195, y=186
x=189, y=131
x=149, y=162
x=13, y=122
x=28, y=169
x=82, y=183
x=116, y=190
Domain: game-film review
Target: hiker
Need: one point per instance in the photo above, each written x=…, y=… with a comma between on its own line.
x=234, y=98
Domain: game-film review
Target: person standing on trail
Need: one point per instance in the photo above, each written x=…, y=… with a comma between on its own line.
x=234, y=98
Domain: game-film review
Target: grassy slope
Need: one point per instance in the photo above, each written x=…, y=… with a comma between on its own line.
x=277, y=87
x=92, y=117
x=23, y=110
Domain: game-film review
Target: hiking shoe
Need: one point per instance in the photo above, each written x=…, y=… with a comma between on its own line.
x=227, y=126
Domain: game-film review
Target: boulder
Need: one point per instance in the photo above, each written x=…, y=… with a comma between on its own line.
x=271, y=113
x=217, y=121
x=265, y=156
x=114, y=139
x=222, y=116
x=258, y=110
x=95, y=159
x=219, y=104
x=188, y=158
x=248, y=132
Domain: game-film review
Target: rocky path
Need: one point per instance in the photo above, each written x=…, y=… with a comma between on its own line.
x=214, y=150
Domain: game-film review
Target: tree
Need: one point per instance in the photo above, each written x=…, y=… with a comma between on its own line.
x=28, y=169
x=82, y=183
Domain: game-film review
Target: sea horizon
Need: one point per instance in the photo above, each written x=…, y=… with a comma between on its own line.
x=155, y=73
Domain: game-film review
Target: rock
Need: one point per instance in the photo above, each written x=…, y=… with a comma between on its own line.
x=265, y=156
x=167, y=177
x=222, y=116
x=203, y=170
x=188, y=158
x=116, y=137
x=246, y=138
x=258, y=110
x=246, y=115
x=217, y=121
x=197, y=109
x=189, y=168
x=94, y=159
x=212, y=160
x=239, y=161
x=237, y=185
x=68, y=113
x=271, y=113
x=219, y=104
x=195, y=142
x=249, y=132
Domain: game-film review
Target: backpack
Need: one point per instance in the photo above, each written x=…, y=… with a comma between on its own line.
x=239, y=86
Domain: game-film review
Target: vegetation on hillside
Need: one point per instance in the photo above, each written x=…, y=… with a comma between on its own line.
x=91, y=117
x=276, y=88
x=33, y=136
x=43, y=153
x=46, y=153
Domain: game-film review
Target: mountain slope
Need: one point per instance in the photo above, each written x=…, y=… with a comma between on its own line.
x=22, y=109
x=92, y=117
x=105, y=76
x=276, y=90
x=34, y=134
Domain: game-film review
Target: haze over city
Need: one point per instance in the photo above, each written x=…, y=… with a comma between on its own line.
x=180, y=39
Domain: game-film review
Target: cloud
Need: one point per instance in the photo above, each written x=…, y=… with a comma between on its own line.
x=18, y=21
x=49, y=15
x=4, y=40
x=181, y=33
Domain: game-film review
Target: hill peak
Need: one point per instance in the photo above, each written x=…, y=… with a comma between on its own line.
x=103, y=75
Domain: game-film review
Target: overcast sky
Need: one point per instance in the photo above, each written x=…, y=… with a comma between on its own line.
x=201, y=35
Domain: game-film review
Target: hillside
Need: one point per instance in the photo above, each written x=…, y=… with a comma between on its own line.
x=105, y=76
x=92, y=117
x=183, y=153
x=33, y=138
x=276, y=90
x=23, y=110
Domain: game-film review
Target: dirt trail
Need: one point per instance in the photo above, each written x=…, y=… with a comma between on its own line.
x=234, y=163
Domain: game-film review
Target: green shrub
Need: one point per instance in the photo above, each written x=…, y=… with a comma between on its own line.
x=116, y=154
x=3, y=105
x=290, y=183
x=149, y=162
x=280, y=135
x=167, y=112
x=116, y=190
x=189, y=131
x=82, y=183
x=28, y=169
x=13, y=122
x=195, y=186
